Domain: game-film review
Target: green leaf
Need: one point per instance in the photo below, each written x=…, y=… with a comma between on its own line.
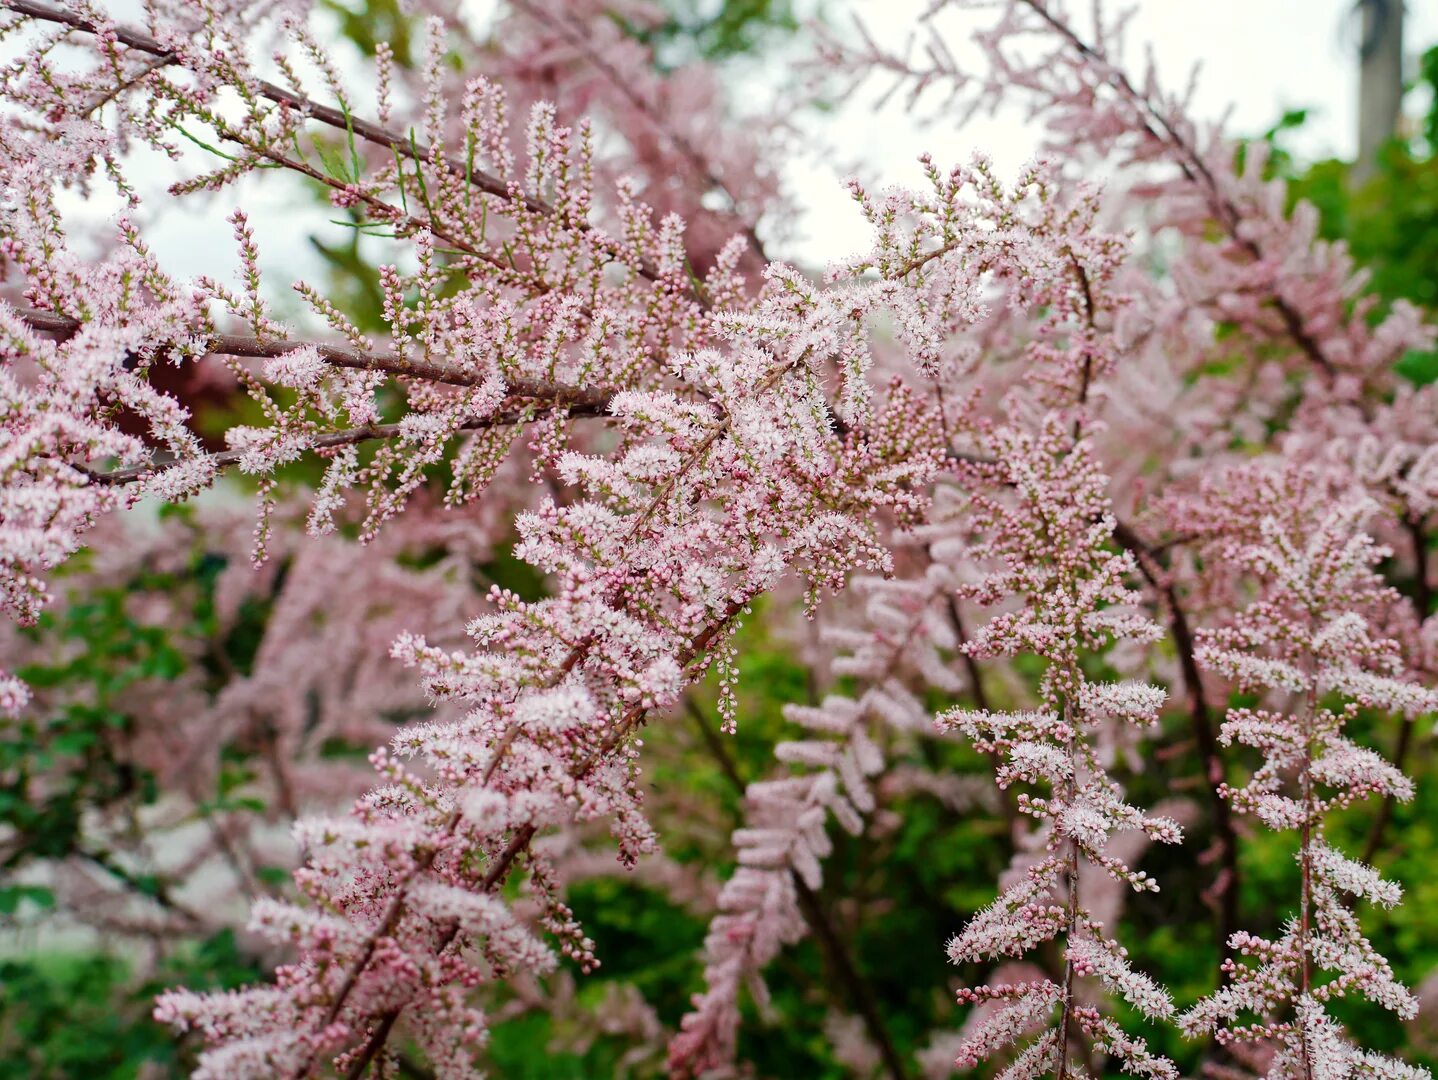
x=1419, y=368
x=12, y=896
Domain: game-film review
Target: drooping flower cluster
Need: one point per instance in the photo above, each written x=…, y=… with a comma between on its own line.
x=1309, y=639
x=781, y=847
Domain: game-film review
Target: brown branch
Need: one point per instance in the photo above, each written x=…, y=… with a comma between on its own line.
x=340, y=356
x=155, y=890
x=127, y=84
x=341, y=120
x=1423, y=605
x=384, y=212
x=921, y=260
x=1007, y=800
x=715, y=746
x=813, y=910
x=526, y=398
x=726, y=420
x=1086, y=375
x=364, y=433
x=1203, y=731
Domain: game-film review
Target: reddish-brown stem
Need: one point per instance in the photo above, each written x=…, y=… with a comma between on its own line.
x=1423, y=607
x=1012, y=818
x=351, y=436
x=1072, y=914
x=525, y=400
x=1086, y=374
x=341, y=120
x=1206, y=738
x=156, y=890
x=340, y=356
x=1305, y=859
x=696, y=455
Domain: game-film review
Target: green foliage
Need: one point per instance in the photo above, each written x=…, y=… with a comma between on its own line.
x=69, y=756
x=56, y=766
x=710, y=30
x=1389, y=220
x=87, y=1015
x=368, y=22
x=643, y=938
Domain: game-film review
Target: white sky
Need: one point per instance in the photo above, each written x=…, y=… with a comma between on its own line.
x=1258, y=56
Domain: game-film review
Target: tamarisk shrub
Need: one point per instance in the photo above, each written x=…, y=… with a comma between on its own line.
x=520, y=483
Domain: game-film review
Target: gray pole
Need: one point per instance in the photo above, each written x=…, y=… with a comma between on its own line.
x=1380, y=79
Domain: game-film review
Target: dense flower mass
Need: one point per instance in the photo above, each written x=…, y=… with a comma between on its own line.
x=1029, y=504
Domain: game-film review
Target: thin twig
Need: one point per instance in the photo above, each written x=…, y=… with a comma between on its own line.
x=1195, y=170
x=350, y=437
x=343, y=120
x=1007, y=800
x=1201, y=722
x=341, y=356
x=1423, y=607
